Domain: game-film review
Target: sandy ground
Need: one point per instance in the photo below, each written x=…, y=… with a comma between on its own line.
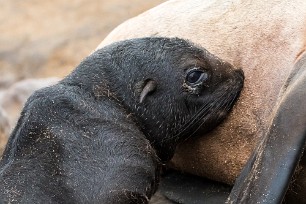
x=42, y=38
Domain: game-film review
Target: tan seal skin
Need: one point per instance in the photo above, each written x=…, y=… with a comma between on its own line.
x=263, y=37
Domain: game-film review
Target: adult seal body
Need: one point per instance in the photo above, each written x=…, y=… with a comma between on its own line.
x=101, y=134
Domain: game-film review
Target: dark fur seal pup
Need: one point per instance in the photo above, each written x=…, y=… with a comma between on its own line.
x=101, y=134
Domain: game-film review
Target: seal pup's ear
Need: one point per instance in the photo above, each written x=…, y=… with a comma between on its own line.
x=149, y=87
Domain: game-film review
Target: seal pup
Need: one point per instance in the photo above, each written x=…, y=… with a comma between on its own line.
x=101, y=134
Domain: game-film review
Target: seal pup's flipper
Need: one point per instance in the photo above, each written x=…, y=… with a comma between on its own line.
x=267, y=174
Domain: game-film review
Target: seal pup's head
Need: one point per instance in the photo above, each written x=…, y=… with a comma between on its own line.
x=169, y=86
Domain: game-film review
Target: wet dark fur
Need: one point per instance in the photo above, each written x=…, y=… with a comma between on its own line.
x=88, y=139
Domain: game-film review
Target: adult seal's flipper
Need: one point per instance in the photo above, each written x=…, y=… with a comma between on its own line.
x=176, y=187
x=266, y=176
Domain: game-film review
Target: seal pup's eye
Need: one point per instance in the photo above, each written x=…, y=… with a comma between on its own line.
x=196, y=76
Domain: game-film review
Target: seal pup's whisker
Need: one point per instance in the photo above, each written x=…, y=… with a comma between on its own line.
x=225, y=102
x=203, y=111
x=224, y=107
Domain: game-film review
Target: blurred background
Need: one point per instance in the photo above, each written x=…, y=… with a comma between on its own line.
x=43, y=39
x=49, y=38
